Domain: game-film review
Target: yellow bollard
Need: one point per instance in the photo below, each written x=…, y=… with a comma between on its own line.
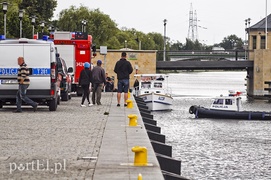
x=139, y=177
x=129, y=94
x=133, y=119
x=140, y=156
x=129, y=103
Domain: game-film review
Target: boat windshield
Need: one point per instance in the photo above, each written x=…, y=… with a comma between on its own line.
x=146, y=85
x=158, y=85
x=228, y=101
x=218, y=101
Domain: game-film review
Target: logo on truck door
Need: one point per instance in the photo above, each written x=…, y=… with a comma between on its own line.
x=79, y=64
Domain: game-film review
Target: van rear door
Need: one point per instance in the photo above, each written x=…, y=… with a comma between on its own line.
x=9, y=67
x=37, y=56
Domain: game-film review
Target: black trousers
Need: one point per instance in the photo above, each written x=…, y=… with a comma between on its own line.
x=85, y=93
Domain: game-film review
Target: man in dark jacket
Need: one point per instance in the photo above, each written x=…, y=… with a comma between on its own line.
x=84, y=81
x=98, y=81
x=123, y=69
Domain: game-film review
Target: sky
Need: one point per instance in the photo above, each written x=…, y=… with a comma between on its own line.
x=216, y=19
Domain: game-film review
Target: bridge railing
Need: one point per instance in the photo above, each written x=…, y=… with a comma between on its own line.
x=239, y=54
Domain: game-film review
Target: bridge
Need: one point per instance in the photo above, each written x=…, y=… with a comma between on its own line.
x=205, y=54
x=204, y=65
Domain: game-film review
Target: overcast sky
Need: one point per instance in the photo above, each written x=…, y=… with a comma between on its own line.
x=216, y=18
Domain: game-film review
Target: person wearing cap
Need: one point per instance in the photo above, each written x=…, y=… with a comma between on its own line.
x=123, y=69
x=84, y=82
x=98, y=81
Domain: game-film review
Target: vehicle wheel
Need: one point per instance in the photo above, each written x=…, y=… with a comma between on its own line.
x=1, y=104
x=53, y=105
x=64, y=96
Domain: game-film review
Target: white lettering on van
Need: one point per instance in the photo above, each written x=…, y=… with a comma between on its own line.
x=42, y=71
x=79, y=64
x=8, y=71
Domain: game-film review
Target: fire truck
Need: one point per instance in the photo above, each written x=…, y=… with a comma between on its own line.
x=75, y=48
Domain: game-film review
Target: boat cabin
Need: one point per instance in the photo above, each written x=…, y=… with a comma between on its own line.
x=227, y=103
x=150, y=83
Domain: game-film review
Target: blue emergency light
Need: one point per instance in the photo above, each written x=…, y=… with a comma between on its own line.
x=2, y=37
x=45, y=37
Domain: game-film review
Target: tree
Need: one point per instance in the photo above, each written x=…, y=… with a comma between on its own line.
x=158, y=40
x=232, y=42
x=113, y=43
x=176, y=46
x=189, y=45
x=42, y=9
x=99, y=25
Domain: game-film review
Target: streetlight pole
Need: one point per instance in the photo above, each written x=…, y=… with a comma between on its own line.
x=5, y=9
x=51, y=30
x=21, y=13
x=42, y=26
x=164, y=54
x=84, y=23
x=266, y=32
x=247, y=24
x=33, y=20
x=246, y=44
x=125, y=44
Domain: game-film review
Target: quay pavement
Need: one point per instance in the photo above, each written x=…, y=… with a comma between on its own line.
x=74, y=142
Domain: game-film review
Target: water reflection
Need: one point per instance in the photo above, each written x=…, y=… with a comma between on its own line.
x=215, y=149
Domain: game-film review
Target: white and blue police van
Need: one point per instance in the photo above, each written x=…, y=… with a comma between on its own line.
x=40, y=57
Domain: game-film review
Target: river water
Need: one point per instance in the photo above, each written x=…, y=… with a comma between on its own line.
x=215, y=148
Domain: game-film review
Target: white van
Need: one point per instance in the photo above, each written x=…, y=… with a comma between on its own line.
x=40, y=57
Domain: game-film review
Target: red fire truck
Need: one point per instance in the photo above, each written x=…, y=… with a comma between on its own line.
x=76, y=49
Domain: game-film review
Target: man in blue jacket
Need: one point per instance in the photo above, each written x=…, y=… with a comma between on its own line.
x=123, y=69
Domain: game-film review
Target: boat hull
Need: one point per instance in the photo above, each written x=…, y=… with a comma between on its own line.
x=201, y=112
x=157, y=102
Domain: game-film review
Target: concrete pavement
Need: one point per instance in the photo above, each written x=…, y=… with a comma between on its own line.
x=74, y=142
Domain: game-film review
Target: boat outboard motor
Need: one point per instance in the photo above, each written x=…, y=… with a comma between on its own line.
x=238, y=103
x=192, y=109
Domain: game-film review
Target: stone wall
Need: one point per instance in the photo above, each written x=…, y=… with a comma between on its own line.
x=258, y=35
x=144, y=61
x=262, y=70
x=262, y=62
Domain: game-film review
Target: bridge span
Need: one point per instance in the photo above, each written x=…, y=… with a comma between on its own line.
x=204, y=65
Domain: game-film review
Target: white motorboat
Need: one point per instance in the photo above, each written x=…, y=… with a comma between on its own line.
x=228, y=107
x=154, y=90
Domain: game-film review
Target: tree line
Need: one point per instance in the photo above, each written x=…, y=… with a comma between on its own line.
x=104, y=30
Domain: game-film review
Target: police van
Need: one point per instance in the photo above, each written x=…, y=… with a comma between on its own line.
x=40, y=57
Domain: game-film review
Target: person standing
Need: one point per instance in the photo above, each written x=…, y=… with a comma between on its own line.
x=123, y=69
x=98, y=81
x=24, y=82
x=84, y=81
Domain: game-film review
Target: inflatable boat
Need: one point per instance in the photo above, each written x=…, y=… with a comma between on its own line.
x=228, y=107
